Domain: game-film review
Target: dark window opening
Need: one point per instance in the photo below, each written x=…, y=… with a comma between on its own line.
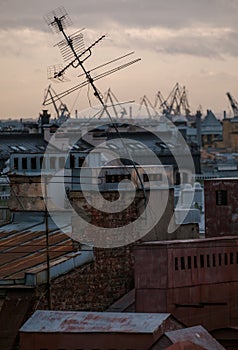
x=201, y=261
x=177, y=179
x=24, y=163
x=231, y=258
x=41, y=162
x=71, y=161
x=80, y=161
x=221, y=197
x=145, y=178
x=237, y=257
x=15, y=161
x=33, y=163
x=117, y=178
x=182, y=263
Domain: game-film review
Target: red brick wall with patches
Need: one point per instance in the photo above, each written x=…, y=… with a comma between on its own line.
x=221, y=207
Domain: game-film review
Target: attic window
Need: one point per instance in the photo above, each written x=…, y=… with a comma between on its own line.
x=221, y=197
x=24, y=163
x=15, y=160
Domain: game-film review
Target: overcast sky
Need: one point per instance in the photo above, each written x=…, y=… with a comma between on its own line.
x=191, y=42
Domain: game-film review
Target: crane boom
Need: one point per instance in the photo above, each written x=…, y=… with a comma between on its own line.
x=233, y=103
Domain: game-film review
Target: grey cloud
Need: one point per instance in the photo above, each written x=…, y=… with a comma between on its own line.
x=143, y=13
x=140, y=14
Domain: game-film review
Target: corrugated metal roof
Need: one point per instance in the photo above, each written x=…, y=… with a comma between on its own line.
x=93, y=322
x=23, y=249
x=30, y=142
x=197, y=335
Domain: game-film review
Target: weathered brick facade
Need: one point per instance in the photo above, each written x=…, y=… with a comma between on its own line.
x=94, y=286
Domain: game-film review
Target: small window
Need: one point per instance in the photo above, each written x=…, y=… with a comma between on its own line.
x=145, y=178
x=80, y=161
x=41, y=162
x=221, y=197
x=182, y=263
x=231, y=258
x=201, y=261
x=15, y=163
x=33, y=163
x=237, y=257
x=24, y=163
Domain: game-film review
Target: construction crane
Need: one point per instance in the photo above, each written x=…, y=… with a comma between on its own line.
x=148, y=106
x=233, y=103
x=183, y=102
x=61, y=110
x=176, y=103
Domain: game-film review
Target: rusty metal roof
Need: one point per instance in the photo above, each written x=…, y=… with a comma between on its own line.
x=197, y=335
x=23, y=251
x=93, y=322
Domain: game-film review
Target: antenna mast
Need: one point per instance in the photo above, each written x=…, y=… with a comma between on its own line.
x=58, y=20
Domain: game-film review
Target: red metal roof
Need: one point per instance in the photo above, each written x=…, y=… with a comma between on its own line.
x=93, y=322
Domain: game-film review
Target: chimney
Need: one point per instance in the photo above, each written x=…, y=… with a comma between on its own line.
x=44, y=119
x=199, y=131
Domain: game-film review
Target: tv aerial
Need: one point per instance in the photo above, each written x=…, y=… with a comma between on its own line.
x=75, y=54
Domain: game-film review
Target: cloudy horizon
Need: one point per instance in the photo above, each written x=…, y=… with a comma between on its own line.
x=190, y=42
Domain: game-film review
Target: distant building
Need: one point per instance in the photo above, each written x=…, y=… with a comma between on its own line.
x=229, y=136
x=211, y=129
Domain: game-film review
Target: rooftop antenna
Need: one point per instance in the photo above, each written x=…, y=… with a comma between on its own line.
x=58, y=20
x=74, y=52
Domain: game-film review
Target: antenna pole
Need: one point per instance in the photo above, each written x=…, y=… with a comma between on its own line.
x=48, y=283
x=90, y=80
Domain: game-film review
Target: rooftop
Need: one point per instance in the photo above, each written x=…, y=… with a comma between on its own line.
x=23, y=251
x=93, y=322
x=197, y=335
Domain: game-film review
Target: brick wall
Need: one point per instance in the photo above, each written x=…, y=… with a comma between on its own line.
x=94, y=286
